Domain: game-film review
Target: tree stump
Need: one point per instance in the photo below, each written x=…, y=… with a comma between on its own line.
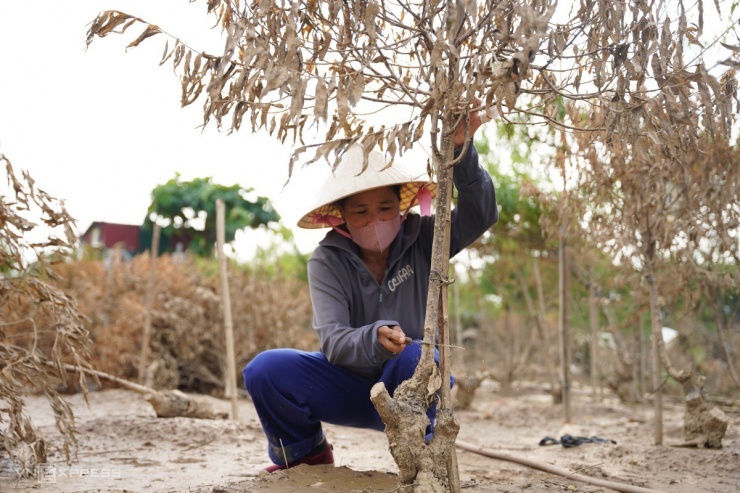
x=465, y=388
x=465, y=392
x=704, y=424
x=421, y=465
x=173, y=403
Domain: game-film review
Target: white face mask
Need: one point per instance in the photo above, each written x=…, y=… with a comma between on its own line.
x=378, y=236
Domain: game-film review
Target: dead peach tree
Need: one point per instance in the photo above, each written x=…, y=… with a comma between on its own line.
x=719, y=257
x=641, y=92
x=288, y=67
x=662, y=187
x=41, y=327
x=663, y=208
x=645, y=119
x=387, y=75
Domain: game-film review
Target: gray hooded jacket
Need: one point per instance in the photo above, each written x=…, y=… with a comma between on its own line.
x=348, y=303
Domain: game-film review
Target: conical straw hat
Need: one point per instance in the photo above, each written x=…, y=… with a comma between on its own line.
x=349, y=179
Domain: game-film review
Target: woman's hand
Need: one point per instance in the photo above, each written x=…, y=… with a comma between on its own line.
x=475, y=123
x=392, y=338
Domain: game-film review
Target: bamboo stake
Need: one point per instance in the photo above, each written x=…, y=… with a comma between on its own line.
x=146, y=336
x=442, y=257
x=230, y=380
x=453, y=472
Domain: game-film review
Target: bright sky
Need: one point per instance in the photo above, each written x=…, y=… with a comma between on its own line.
x=102, y=127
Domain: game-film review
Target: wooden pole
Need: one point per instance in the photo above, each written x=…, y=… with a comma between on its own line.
x=446, y=395
x=593, y=316
x=443, y=322
x=146, y=336
x=458, y=310
x=230, y=380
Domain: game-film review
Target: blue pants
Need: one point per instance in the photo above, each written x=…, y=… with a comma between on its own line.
x=294, y=391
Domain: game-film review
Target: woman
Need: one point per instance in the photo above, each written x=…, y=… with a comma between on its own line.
x=368, y=280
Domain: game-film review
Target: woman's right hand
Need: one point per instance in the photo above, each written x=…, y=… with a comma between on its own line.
x=392, y=338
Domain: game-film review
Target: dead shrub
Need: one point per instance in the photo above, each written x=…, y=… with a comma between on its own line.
x=41, y=326
x=188, y=342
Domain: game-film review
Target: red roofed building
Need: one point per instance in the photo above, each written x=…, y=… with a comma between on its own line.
x=108, y=235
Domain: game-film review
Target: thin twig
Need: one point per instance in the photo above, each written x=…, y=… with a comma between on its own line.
x=285, y=456
x=560, y=471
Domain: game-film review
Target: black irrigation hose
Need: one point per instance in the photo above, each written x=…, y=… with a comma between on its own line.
x=569, y=441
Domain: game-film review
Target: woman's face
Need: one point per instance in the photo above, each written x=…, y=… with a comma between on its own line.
x=371, y=206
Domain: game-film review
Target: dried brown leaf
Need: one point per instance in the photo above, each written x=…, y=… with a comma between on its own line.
x=150, y=31
x=107, y=22
x=342, y=102
x=296, y=101
x=321, y=99
x=357, y=88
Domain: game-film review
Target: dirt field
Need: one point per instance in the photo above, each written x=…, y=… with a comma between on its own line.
x=124, y=447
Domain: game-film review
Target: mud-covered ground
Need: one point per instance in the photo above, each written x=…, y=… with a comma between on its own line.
x=124, y=447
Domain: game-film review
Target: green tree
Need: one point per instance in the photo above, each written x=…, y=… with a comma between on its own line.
x=187, y=209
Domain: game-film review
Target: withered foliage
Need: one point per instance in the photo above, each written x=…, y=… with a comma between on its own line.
x=659, y=186
x=188, y=341
x=672, y=212
x=290, y=66
x=41, y=326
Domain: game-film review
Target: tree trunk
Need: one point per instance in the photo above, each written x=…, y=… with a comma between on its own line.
x=540, y=325
x=704, y=424
x=166, y=404
x=640, y=366
x=656, y=329
x=563, y=336
x=426, y=467
x=507, y=372
x=555, y=390
x=623, y=379
x=593, y=317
